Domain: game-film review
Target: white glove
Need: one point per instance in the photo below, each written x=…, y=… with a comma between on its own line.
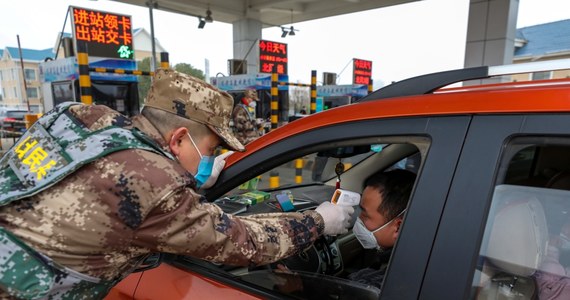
x=336, y=217
x=219, y=163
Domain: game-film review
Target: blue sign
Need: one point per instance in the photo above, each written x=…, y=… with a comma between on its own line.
x=241, y=82
x=342, y=90
x=67, y=69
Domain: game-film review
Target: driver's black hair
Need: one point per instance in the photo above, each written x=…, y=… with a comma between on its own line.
x=395, y=188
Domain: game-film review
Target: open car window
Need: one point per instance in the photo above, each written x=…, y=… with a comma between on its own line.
x=310, y=179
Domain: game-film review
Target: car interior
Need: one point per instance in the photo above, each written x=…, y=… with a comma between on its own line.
x=327, y=264
x=524, y=253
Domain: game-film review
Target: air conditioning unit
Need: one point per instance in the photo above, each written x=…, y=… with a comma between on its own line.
x=67, y=44
x=237, y=66
x=329, y=78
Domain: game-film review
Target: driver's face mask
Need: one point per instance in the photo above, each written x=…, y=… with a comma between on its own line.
x=366, y=237
x=205, y=167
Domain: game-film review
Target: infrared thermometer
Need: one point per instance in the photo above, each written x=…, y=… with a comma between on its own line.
x=345, y=198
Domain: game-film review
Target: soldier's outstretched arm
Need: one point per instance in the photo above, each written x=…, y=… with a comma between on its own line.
x=184, y=223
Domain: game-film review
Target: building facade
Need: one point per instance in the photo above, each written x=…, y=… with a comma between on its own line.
x=543, y=42
x=13, y=92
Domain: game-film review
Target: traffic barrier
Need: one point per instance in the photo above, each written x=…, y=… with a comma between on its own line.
x=273, y=179
x=84, y=70
x=121, y=71
x=274, y=101
x=294, y=84
x=164, y=63
x=312, y=86
x=84, y=78
x=299, y=170
x=313, y=108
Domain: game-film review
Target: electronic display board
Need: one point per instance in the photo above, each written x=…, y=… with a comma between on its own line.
x=106, y=34
x=362, y=71
x=272, y=54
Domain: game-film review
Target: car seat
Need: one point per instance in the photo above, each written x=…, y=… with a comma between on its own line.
x=517, y=241
x=560, y=181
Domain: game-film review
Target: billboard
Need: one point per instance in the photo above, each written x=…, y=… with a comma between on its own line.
x=272, y=55
x=361, y=71
x=106, y=34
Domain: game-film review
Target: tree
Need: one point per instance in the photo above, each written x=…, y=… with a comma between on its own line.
x=188, y=69
x=144, y=81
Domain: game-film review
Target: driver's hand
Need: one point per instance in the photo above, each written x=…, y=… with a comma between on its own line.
x=336, y=217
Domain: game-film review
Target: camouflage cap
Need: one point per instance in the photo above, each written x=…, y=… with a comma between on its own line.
x=194, y=99
x=251, y=94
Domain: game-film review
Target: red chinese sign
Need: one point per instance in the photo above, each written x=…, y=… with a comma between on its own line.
x=362, y=71
x=106, y=34
x=272, y=55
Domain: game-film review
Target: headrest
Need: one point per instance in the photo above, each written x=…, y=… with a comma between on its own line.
x=518, y=234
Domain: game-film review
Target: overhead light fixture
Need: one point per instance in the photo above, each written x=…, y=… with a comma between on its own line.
x=209, y=18
x=288, y=31
x=201, y=23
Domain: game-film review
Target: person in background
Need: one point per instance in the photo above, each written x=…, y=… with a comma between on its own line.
x=245, y=123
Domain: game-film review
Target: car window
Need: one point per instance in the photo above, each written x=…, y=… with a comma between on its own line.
x=318, y=167
x=329, y=263
x=525, y=251
x=16, y=114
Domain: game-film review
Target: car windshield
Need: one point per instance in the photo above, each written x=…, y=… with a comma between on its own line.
x=315, y=168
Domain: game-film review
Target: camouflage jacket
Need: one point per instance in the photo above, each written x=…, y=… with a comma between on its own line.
x=105, y=215
x=245, y=128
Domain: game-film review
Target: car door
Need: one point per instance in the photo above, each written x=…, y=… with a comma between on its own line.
x=514, y=154
x=411, y=254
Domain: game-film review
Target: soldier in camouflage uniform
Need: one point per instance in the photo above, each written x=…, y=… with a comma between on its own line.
x=86, y=193
x=245, y=124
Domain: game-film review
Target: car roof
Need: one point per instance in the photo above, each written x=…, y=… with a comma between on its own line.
x=545, y=96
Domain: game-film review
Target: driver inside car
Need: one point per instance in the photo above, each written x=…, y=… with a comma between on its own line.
x=383, y=204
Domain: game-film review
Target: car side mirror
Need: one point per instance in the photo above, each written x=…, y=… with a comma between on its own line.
x=152, y=261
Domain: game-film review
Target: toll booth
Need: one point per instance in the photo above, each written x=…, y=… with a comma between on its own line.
x=331, y=96
x=261, y=82
x=60, y=83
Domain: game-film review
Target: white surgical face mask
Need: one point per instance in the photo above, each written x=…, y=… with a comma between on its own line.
x=366, y=237
x=204, y=167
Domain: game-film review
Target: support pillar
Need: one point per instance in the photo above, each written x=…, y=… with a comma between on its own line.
x=491, y=32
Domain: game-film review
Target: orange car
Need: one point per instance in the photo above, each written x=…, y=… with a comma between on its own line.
x=488, y=218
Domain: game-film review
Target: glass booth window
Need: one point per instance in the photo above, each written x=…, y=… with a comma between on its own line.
x=525, y=251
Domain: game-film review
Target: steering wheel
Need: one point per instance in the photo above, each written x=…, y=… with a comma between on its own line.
x=326, y=254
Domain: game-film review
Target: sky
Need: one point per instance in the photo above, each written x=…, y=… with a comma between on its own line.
x=402, y=41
